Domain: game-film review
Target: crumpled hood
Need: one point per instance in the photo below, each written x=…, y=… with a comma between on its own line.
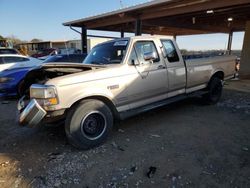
x=69, y=65
x=92, y=73
x=77, y=72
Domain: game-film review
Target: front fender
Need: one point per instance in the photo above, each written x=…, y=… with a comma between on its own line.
x=69, y=96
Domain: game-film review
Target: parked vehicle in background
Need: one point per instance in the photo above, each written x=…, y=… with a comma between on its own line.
x=71, y=58
x=8, y=51
x=69, y=51
x=118, y=79
x=4, y=43
x=11, y=61
x=44, y=54
x=11, y=81
x=47, y=53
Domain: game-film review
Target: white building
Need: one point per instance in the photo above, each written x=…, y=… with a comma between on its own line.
x=33, y=47
x=92, y=42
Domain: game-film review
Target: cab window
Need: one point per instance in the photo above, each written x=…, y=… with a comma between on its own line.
x=145, y=47
x=170, y=51
x=133, y=57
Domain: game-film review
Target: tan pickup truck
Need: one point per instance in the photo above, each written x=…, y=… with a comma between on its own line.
x=118, y=79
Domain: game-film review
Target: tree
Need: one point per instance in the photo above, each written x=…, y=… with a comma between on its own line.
x=36, y=40
x=184, y=51
x=1, y=37
x=14, y=40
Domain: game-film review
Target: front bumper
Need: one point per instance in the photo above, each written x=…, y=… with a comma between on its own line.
x=32, y=115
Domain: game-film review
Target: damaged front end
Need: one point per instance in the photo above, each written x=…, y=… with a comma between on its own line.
x=32, y=115
x=46, y=72
x=38, y=98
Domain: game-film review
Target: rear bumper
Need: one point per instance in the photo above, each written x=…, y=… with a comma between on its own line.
x=32, y=115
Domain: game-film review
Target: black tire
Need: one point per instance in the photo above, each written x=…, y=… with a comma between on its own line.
x=215, y=87
x=20, y=89
x=88, y=124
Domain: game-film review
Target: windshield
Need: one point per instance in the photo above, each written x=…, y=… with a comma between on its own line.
x=107, y=53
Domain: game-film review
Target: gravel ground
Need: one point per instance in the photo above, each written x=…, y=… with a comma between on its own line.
x=185, y=144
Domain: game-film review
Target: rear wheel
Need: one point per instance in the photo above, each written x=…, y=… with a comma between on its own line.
x=88, y=124
x=214, y=91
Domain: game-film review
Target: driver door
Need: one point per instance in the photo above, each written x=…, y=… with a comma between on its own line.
x=148, y=81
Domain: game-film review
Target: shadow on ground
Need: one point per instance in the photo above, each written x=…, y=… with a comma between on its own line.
x=186, y=143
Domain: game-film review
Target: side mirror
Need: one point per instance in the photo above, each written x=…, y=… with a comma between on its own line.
x=150, y=56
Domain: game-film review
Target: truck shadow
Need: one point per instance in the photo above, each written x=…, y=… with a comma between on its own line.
x=40, y=156
x=28, y=152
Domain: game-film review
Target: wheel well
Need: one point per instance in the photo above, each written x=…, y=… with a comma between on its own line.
x=219, y=75
x=105, y=100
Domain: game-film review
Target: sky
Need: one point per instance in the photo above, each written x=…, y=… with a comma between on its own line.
x=42, y=19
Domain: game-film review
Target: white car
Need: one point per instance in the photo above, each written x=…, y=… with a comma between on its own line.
x=10, y=61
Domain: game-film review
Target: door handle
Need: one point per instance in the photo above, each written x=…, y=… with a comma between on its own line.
x=161, y=67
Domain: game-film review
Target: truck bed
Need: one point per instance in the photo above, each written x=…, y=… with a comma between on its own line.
x=200, y=70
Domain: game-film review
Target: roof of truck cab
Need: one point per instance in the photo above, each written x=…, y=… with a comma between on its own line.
x=151, y=37
x=144, y=37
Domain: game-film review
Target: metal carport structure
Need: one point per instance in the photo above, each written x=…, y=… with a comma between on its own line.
x=176, y=17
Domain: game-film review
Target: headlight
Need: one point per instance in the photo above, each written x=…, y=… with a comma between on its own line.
x=46, y=95
x=5, y=79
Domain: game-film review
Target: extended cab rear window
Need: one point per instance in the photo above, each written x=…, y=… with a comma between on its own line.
x=170, y=51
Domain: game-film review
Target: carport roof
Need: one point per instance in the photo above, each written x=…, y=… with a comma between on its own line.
x=173, y=17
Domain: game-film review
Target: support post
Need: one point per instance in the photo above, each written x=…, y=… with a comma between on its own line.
x=229, y=45
x=84, y=40
x=138, y=25
x=174, y=36
x=122, y=33
x=245, y=54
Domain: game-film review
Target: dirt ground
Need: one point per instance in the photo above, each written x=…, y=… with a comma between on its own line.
x=185, y=144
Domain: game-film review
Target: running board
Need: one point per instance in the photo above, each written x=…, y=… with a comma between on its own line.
x=134, y=112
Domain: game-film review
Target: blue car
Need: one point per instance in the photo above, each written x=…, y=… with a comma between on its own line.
x=11, y=80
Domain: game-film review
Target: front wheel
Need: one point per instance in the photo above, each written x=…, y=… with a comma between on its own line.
x=20, y=88
x=88, y=124
x=215, y=87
